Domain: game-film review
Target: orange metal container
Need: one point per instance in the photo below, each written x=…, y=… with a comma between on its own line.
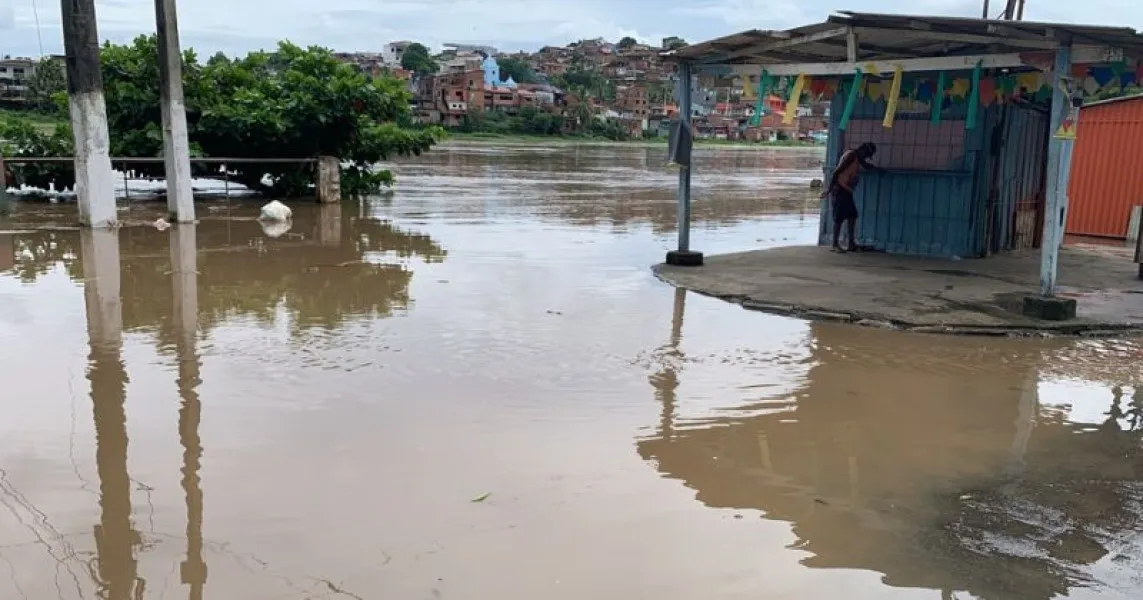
x=1107, y=168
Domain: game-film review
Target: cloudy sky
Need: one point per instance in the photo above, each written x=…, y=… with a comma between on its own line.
x=241, y=25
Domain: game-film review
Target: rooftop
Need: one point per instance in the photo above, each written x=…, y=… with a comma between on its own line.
x=850, y=37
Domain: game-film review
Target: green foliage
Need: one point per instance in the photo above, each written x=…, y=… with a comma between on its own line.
x=292, y=103
x=518, y=69
x=586, y=83
x=626, y=42
x=418, y=60
x=532, y=121
x=48, y=79
x=20, y=137
x=1116, y=92
x=676, y=44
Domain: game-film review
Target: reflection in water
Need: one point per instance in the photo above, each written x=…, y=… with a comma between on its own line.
x=1006, y=469
x=184, y=277
x=945, y=476
x=115, y=535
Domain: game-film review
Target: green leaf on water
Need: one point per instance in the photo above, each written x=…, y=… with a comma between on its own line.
x=482, y=497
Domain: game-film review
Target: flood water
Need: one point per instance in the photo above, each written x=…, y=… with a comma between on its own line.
x=474, y=388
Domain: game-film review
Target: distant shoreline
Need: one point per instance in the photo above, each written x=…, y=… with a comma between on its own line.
x=521, y=139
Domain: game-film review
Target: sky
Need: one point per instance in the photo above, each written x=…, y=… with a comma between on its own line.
x=239, y=26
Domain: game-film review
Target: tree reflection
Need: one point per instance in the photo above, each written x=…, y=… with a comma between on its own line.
x=331, y=266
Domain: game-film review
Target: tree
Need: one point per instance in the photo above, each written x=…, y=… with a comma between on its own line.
x=627, y=42
x=516, y=68
x=677, y=43
x=292, y=103
x=418, y=60
x=48, y=79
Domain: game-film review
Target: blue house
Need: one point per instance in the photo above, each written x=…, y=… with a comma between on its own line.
x=491, y=72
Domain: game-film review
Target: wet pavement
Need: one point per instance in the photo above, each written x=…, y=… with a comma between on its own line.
x=475, y=388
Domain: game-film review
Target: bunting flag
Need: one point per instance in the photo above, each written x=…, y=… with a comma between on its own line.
x=960, y=88
x=819, y=87
x=874, y=91
x=894, y=96
x=987, y=91
x=763, y=93
x=850, y=101
x=938, y=99
x=973, y=99
x=794, y=99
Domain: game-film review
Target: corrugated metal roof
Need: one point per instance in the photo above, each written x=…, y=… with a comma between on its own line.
x=883, y=37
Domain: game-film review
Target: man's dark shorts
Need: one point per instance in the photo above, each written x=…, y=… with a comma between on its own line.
x=844, y=208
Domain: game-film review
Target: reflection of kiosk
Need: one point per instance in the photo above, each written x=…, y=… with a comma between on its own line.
x=871, y=464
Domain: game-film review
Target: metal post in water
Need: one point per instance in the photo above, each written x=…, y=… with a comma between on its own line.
x=1059, y=164
x=684, y=256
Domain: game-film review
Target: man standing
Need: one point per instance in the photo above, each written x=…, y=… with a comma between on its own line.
x=841, y=188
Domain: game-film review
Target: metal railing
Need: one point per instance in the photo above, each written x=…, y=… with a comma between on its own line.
x=124, y=161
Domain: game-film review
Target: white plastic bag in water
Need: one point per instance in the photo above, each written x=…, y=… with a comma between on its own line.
x=276, y=212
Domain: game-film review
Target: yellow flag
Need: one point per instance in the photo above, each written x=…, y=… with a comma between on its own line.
x=894, y=95
x=795, y=98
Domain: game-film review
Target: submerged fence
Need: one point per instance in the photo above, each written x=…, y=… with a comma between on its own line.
x=223, y=163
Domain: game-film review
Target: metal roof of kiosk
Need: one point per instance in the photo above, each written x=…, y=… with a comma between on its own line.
x=881, y=43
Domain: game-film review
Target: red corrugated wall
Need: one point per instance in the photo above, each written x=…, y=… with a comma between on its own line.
x=1107, y=169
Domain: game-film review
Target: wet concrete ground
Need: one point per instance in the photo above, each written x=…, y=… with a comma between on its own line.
x=475, y=388
x=922, y=294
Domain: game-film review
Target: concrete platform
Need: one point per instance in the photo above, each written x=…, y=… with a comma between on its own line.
x=973, y=296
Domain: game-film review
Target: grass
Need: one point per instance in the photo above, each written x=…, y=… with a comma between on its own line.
x=42, y=121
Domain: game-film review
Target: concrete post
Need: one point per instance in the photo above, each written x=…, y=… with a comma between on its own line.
x=176, y=144
x=94, y=182
x=1059, y=166
x=328, y=179
x=3, y=187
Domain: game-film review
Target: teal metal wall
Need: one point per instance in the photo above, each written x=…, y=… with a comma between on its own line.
x=955, y=208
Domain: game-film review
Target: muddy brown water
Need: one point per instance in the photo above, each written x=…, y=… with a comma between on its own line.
x=474, y=388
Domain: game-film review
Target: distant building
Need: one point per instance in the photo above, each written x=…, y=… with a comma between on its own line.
x=491, y=71
x=14, y=76
x=393, y=53
x=471, y=48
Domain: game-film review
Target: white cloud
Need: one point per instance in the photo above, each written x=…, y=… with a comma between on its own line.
x=241, y=25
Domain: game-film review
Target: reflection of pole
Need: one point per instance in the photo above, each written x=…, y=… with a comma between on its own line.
x=666, y=381
x=1027, y=411
x=184, y=280
x=329, y=224
x=115, y=537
